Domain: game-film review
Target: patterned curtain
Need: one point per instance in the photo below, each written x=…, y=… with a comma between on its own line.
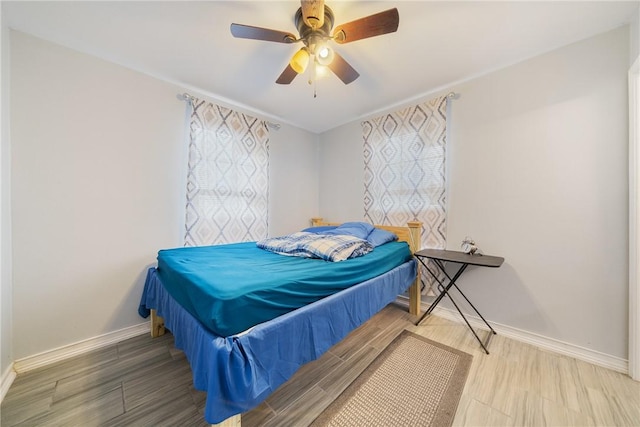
x=404, y=155
x=228, y=179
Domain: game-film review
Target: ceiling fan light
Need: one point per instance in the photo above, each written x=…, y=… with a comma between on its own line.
x=321, y=71
x=300, y=61
x=325, y=55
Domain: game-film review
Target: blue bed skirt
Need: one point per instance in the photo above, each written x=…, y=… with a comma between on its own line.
x=240, y=371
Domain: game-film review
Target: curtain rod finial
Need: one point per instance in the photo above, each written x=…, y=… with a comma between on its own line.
x=185, y=97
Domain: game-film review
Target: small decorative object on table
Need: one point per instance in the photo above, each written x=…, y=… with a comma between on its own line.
x=469, y=247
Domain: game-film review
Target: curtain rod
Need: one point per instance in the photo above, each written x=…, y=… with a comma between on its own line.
x=190, y=98
x=276, y=126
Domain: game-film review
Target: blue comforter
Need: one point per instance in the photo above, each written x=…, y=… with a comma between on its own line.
x=230, y=288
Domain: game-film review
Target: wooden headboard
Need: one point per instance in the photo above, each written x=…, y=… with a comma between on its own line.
x=411, y=235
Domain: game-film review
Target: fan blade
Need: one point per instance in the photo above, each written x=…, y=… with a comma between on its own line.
x=287, y=76
x=369, y=26
x=256, y=33
x=342, y=69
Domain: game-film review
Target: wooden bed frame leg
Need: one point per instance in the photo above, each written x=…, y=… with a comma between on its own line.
x=157, y=324
x=415, y=228
x=229, y=422
x=414, y=296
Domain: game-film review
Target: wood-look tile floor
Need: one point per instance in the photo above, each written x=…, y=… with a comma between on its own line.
x=147, y=382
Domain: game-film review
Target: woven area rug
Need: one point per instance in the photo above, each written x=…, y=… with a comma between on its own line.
x=413, y=382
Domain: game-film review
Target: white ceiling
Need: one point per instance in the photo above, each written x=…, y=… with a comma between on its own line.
x=437, y=43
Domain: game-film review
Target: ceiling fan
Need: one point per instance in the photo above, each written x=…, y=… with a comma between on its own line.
x=314, y=22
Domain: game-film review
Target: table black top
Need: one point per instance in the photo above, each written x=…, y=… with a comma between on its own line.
x=461, y=257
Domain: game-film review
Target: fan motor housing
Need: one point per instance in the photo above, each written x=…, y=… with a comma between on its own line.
x=307, y=33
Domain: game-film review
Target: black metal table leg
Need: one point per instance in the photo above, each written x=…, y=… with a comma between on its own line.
x=475, y=334
x=452, y=282
x=444, y=290
x=475, y=309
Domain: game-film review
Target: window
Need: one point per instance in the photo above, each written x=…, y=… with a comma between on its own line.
x=404, y=155
x=228, y=178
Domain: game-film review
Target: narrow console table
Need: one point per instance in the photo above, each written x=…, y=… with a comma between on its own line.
x=439, y=258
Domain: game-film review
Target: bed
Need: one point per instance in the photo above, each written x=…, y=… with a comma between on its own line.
x=240, y=362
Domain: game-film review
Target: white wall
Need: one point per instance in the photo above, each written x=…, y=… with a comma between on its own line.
x=634, y=45
x=538, y=156
x=99, y=165
x=6, y=350
x=293, y=180
x=342, y=173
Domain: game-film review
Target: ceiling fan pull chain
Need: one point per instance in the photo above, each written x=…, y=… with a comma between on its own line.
x=314, y=76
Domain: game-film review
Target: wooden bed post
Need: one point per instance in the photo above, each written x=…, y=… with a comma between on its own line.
x=412, y=235
x=157, y=324
x=234, y=421
x=415, y=228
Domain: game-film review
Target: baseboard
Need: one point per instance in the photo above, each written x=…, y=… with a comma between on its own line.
x=546, y=343
x=551, y=344
x=42, y=359
x=5, y=382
